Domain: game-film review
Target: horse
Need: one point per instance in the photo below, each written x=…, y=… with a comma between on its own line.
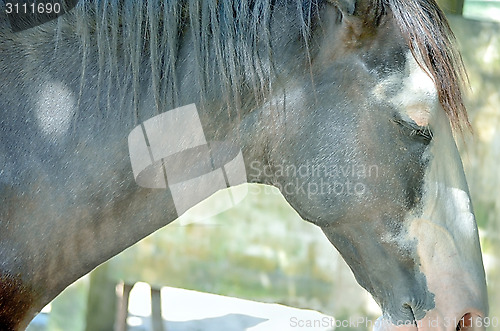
x=349, y=107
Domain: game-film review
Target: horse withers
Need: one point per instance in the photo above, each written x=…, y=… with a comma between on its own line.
x=347, y=106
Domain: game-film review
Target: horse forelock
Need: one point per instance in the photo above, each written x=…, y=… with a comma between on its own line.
x=431, y=41
x=432, y=44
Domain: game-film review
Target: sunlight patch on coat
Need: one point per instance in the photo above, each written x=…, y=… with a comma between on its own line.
x=55, y=107
x=416, y=99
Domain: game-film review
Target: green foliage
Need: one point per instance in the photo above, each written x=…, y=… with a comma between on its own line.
x=484, y=10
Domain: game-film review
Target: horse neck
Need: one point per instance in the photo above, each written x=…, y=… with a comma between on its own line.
x=83, y=163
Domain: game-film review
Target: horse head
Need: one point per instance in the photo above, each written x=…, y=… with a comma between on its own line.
x=370, y=123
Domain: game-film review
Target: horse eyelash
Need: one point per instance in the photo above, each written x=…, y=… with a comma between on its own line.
x=416, y=130
x=424, y=132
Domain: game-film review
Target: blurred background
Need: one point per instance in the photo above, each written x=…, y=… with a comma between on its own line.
x=263, y=251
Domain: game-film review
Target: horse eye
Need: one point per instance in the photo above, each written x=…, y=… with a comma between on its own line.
x=414, y=129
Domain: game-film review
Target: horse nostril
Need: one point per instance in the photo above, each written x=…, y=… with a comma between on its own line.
x=465, y=323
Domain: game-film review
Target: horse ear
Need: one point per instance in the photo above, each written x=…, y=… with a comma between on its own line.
x=348, y=7
x=370, y=11
x=359, y=7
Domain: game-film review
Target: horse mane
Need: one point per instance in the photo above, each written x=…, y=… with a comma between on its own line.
x=230, y=37
x=231, y=44
x=432, y=43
